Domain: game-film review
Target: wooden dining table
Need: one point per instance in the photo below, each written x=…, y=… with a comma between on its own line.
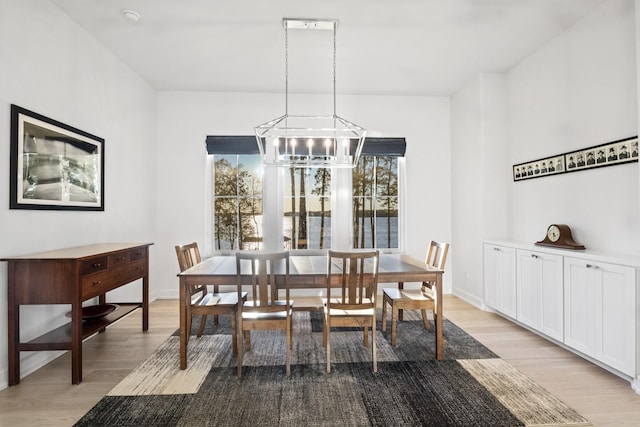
x=308, y=272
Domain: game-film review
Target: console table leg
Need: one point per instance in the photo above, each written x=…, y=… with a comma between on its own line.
x=76, y=342
x=145, y=300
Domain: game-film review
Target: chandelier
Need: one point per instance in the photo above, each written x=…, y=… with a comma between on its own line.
x=322, y=141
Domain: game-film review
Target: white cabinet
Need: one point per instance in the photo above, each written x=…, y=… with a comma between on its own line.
x=539, y=292
x=587, y=302
x=600, y=312
x=500, y=278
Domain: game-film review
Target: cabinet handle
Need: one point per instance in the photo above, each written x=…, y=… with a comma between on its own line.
x=97, y=264
x=535, y=256
x=595, y=267
x=97, y=282
x=497, y=249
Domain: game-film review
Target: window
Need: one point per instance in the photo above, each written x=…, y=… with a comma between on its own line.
x=299, y=203
x=237, y=202
x=375, y=202
x=307, y=208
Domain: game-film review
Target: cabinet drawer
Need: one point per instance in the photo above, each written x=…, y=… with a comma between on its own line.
x=106, y=280
x=93, y=265
x=118, y=259
x=139, y=253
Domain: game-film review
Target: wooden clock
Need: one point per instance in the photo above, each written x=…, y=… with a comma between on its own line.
x=559, y=236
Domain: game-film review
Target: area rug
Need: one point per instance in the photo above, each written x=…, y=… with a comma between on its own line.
x=470, y=387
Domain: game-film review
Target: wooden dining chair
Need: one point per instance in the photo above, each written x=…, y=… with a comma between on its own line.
x=353, y=303
x=422, y=299
x=265, y=310
x=204, y=303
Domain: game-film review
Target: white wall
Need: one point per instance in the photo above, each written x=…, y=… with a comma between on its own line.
x=479, y=153
x=576, y=91
x=185, y=119
x=51, y=66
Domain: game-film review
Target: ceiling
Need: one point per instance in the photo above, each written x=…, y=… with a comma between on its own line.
x=384, y=47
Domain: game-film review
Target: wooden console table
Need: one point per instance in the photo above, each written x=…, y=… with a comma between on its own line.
x=71, y=276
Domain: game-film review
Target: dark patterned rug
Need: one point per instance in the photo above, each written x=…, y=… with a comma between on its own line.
x=470, y=387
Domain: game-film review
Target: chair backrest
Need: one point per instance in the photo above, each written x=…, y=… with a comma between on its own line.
x=188, y=255
x=263, y=272
x=437, y=254
x=357, y=273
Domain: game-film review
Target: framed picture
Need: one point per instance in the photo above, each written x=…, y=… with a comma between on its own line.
x=609, y=154
x=53, y=165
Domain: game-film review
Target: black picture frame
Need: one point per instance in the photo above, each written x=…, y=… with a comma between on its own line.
x=54, y=166
x=609, y=154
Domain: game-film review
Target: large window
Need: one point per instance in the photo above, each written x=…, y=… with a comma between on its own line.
x=307, y=208
x=237, y=202
x=298, y=205
x=375, y=202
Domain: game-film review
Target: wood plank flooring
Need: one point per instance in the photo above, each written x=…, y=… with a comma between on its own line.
x=47, y=398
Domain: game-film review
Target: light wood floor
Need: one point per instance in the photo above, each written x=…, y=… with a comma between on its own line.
x=47, y=398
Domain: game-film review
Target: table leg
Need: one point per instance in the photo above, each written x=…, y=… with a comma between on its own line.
x=13, y=333
x=145, y=299
x=76, y=341
x=183, y=323
x=438, y=320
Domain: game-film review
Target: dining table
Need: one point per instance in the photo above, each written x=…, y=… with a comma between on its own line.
x=308, y=271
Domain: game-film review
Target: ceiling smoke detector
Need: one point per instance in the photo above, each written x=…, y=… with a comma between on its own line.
x=131, y=16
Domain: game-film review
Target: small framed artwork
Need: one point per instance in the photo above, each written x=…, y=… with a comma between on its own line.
x=54, y=166
x=609, y=154
x=538, y=168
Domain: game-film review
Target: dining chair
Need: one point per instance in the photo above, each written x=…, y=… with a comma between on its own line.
x=204, y=303
x=264, y=273
x=422, y=299
x=353, y=302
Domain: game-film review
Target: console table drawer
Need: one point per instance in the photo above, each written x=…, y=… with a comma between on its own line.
x=138, y=253
x=93, y=265
x=104, y=281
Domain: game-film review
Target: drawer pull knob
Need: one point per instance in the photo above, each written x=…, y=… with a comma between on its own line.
x=97, y=282
x=496, y=249
x=592, y=266
x=535, y=256
x=97, y=264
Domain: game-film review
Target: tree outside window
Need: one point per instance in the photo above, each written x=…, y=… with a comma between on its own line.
x=307, y=208
x=237, y=202
x=375, y=202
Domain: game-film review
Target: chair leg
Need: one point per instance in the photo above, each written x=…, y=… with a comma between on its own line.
x=240, y=346
x=216, y=320
x=384, y=314
x=234, y=334
x=425, y=319
x=247, y=340
x=394, y=315
x=373, y=346
x=289, y=344
x=400, y=312
x=326, y=341
x=366, y=336
x=203, y=321
x=324, y=331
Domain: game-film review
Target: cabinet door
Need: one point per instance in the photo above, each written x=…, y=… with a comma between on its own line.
x=600, y=301
x=499, y=278
x=539, y=292
x=581, y=292
x=617, y=340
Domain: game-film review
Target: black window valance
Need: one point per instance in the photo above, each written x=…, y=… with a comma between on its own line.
x=246, y=144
